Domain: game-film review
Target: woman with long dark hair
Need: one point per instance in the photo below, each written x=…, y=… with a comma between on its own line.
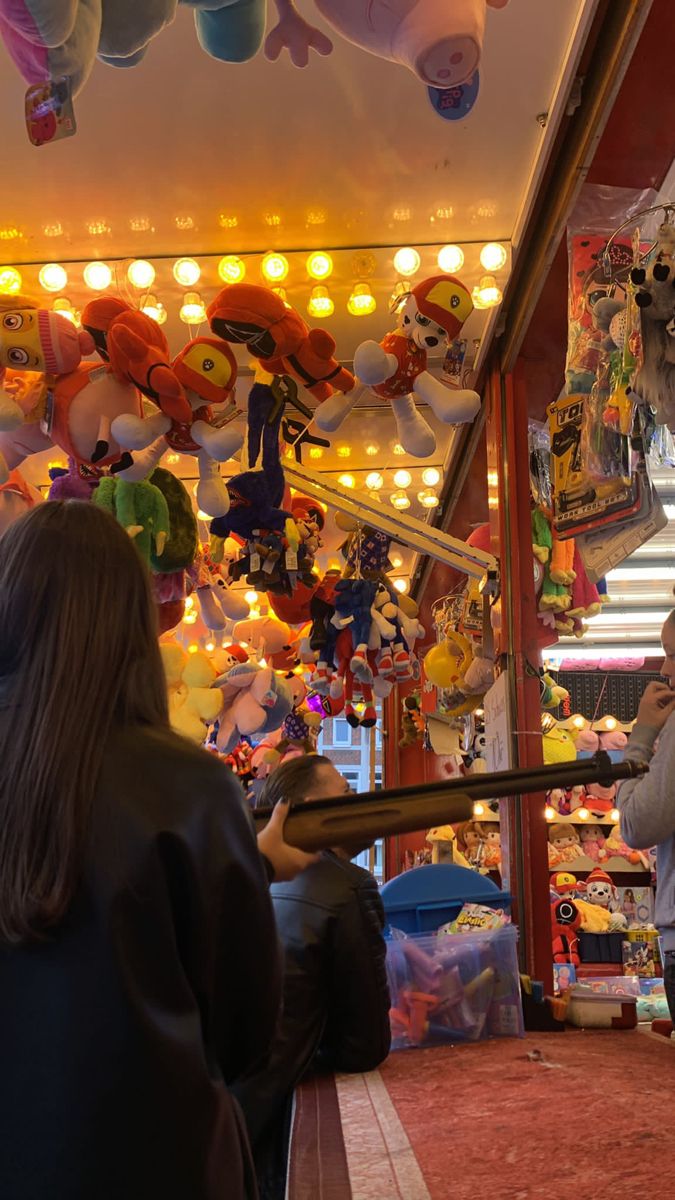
x=138, y=963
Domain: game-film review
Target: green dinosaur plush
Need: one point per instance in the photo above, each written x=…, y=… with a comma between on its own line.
x=183, y=540
x=140, y=508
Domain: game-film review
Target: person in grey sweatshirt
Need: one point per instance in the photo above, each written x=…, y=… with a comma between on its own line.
x=647, y=805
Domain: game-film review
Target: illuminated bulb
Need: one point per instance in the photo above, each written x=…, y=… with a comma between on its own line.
x=401, y=585
x=193, y=648
x=53, y=277
x=396, y=560
x=397, y=448
x=251, y=597
x=400, y=500
x=374, y=481
x=615, y=815
x=478, y=810
x=611, y=722
x=431, y=476
x=320, y=303
x=583, y=814
x=56, y=463
x=407, y=261
x=343, y=451
x=347, y=481
x=549, y=812
x=493, y=256
x=274, y=267
x=316, y=452
x=190, y=618
x=10, y=281
x=319, y=265
x=97, y=276
x=451, y=259
x=141, y=274
x=403, y=479
x=210, y=647
x=231, y=269
x=203, y=516
x=192, y=310
x=487, y=294
x=428, y=498
x=372, y=449
x=333, y=565
x=66, y=310
x=186, y=272
x=189, y=603
x=578, y=722
x=153, y=308
x=362, y=302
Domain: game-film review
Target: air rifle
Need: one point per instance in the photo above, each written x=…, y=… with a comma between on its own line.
x=343, y=820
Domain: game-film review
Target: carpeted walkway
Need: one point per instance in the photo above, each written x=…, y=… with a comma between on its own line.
x=573, y=1116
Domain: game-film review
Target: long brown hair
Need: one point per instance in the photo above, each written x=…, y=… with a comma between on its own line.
x=78, y=656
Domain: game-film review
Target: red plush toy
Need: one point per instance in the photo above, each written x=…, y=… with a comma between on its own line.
x=565, y=921
x=245, y=313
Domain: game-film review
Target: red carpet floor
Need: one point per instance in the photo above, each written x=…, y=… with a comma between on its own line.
x=573, y=1116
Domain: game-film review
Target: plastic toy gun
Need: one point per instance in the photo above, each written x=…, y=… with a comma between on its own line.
x=318, y=824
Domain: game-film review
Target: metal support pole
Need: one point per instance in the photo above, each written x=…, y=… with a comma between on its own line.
x=523, y=825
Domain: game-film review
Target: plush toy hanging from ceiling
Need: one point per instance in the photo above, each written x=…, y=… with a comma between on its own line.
x=655, y=298
x=428, y=317
x=207, y=370
x=49, y=39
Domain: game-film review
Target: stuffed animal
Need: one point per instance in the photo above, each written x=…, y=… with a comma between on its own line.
x=566, y=920
x=428, y=317
x=492, y=858
x=194, y=703
x=249, y=314
x=655, y=379
x=600, y=892
x=593, y=842
x=218, y=603
x=207, y=370
x=558, y=746
x=564, y=844
x=254, y=700
x=36, y=339
x=16, y=498
x=140, y=508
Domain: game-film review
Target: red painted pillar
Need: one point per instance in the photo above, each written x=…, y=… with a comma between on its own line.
x=523, y=825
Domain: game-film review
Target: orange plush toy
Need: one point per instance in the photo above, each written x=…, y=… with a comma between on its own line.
x=137, y=351
x=275, y=333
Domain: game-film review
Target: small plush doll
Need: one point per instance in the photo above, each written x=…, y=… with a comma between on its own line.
x=593, y=842
x=429, y=316
x=492, y=859
x=140, y=508
x=564, y=844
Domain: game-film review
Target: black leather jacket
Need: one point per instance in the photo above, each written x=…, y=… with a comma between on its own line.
x=335, y=1013
x=119, y=1033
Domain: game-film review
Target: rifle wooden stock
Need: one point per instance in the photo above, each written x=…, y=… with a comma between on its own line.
x=343, y=820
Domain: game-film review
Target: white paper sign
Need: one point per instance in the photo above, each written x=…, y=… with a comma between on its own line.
x=498, y=727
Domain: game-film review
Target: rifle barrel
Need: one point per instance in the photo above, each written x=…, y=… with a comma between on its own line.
x=318, y=824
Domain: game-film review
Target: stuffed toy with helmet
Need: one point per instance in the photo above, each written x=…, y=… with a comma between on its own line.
x=429, y=316
x=207, y=370
x=251, y=315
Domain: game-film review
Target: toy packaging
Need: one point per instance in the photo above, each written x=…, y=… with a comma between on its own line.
x=564, y=975
x=475, y=917
x=454, y=988
x=640, y=953
x=637, y=905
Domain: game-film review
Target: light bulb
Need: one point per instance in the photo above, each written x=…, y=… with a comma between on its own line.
x=333, y=565
x=428, y=498
x=65, y=309
x=320, y=303
x=578, y=722
x=431, y=476
x=141, y=274
x=10, y=281
x=615, y=815
x=193, y=648
x=611, y=723
x=397, y=448
x=192, y=310
x=396, y=560
x=189, y=603
x=362, y=302
x=231, y=269
x=53, y=277
x=347, y=481
x=374, y=481
x=97, y=276
x=203, y=516
x=401, y=585
x=251, y=597
x=56, y=464
x=549, y=812
x=478, y=810
x=407, y=261
x=319, y=265
x=186, y=272
x=274, y=267
x=400, y=500
x=493, y=256
x=190, y=618
x=403, y=479
x=451, y=259
x=372, y=449
x=316, y=452
x=154, y=309
x=487, y=294
x=583, y=814
x=343, y=451
x=210, y=647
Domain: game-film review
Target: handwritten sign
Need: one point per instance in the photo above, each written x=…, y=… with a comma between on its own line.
x=498, y=726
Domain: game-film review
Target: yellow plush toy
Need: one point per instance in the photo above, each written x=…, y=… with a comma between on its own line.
x=193, y=703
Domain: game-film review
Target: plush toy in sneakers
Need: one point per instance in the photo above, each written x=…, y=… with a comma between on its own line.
x=194, y=702
x=207, y=370
x=429, y=316
x=218, y=603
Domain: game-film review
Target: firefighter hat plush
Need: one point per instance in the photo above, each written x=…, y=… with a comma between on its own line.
x=444, y=300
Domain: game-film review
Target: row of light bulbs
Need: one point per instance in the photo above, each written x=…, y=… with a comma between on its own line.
x=400, y=499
